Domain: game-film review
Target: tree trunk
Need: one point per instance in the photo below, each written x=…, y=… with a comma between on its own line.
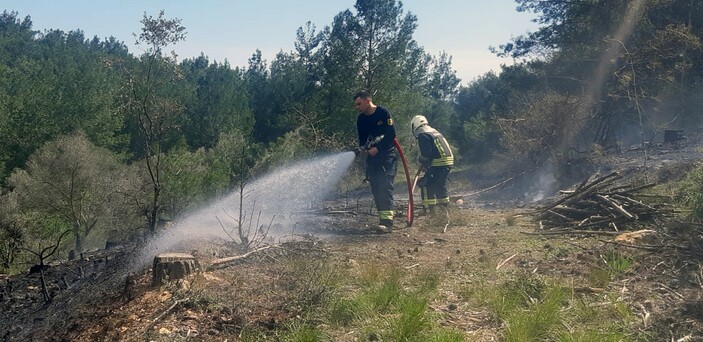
x=79, y=240
x=172, y=266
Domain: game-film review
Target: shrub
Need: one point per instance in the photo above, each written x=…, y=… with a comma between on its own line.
x=543, y=128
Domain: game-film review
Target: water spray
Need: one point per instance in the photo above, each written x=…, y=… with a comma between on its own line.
x=271, y=198
x=271, y=201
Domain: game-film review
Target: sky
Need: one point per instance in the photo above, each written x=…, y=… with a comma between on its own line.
x=235, y=29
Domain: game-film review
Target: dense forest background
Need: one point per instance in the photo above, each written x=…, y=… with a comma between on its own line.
x=99, y=143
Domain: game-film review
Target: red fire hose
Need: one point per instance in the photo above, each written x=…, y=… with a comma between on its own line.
x=411, y=186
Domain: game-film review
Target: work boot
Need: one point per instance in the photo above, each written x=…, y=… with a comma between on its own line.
x=383, y=229
x=380, y=229
x=385, y=226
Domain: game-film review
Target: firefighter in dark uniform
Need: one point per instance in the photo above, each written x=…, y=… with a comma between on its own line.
x=436, y=159
x=381, y=161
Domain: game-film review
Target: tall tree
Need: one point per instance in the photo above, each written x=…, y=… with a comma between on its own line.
x=52, y=83
x=12, y=234
x=153, y=103
x=340, y=71
x=626, y=56
x=443, y=82
x=260, y=99
x=367, y=49
x=219, y=103
x=371, y=45
x=72, y=180
x=384, y=34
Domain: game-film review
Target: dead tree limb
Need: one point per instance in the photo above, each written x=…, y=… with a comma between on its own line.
x=572, y=231
x=166, y=312
x=502, y=263
x=617, y=207
x=43, y=255
x=599, y=203
x=585, y=190
x=224, y=262
x=494, y=186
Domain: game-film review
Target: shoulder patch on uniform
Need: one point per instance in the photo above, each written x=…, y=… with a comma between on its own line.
x=390, y=121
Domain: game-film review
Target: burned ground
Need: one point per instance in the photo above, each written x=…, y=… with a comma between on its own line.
x=94, y=298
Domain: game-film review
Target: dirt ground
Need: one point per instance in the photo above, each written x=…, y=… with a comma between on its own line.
x=663, y=288
x=95, y=299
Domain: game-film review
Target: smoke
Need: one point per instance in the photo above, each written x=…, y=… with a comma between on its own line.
x=544, y=183
x=269, y=199
x=616, y=45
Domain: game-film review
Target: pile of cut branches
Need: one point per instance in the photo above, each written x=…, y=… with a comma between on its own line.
x=600, y=204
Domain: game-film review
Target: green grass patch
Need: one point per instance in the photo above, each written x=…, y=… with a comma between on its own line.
x=391, y=305
x=312, y=281
x=616, y=262
x=538, y=319
x=690, y=192
x=510, y=220
x=599, y=277
x=613, y=264
x=299, y=332
x=411, y=319
x=535, y=308
x=383, y=295
x=345, y=311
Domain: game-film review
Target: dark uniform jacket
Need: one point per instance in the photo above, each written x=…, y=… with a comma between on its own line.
x=434, y=149
x=374, y=125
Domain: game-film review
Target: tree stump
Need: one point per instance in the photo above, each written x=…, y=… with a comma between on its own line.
x=172, y=266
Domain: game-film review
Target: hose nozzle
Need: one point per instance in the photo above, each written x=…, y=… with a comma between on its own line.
x=369, y=144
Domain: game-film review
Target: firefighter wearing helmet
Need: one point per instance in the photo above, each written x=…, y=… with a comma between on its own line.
x=436, y=159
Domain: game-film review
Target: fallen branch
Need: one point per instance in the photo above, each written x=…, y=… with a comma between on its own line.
x=494, y=186
x=646, y=247
x=563, y=217
x=221, y=263
x=617, y=207
x=670, y=290
x=584, y=191
x=599, y=203
x=323, y=212
x=166, y=312
x=572, y=231
x=505, y=261
x=588, y=290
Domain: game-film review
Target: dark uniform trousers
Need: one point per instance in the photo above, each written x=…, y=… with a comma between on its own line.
x=434, y=189
x=381, y=170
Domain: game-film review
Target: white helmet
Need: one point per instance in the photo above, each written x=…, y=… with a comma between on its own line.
x=417, y=122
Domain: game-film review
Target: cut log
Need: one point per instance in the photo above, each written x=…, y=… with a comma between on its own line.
x=172, y=266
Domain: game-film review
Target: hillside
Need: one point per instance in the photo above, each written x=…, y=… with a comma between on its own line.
x=480, y=278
